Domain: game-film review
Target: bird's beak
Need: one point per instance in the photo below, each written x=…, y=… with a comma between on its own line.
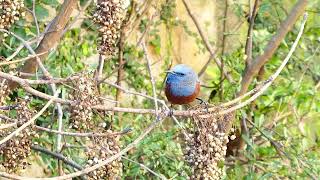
x=169, y=72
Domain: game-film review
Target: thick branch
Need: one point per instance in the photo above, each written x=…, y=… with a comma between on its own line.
x=50, y=39
x=253, y=68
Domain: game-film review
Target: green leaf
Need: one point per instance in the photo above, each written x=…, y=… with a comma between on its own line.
x=50, y=2
x=41, y=13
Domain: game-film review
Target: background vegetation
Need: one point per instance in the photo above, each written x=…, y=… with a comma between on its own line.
x=283, y=139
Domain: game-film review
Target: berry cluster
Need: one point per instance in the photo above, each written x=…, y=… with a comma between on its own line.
x=206, y=146
x=109, y=15
x=106, y=148
x=3, y=91
x=15, y=151
x=10, y=11
x=86, y=96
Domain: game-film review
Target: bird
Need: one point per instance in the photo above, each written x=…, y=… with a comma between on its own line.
x=182, y=85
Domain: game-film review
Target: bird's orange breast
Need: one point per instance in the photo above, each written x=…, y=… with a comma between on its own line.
x=182, y=99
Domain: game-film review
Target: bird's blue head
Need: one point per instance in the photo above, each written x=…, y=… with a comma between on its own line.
x=182, y=80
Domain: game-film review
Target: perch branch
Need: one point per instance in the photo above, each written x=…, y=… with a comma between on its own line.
x=153, y=125
x=256, y=92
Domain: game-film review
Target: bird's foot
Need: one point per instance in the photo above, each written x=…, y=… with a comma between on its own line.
x=170, y=112
x=206, y=104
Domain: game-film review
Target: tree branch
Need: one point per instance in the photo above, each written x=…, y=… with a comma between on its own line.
x=253, y=14
x=14, y=133
x=253, y=68
x=248, y=52
x=146, y=168
x=92, y=168
x=58, y=156
x=87, y=134
x=50, y=39
x=205, y=41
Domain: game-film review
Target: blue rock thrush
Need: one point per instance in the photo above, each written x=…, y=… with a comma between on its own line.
x=182, y=85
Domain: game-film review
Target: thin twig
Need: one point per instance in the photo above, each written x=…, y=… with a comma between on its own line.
x=151, y=79
x=14, y=133
x=121, y=63
x=50, y=39
x=145, y=167
x=248, y=47
x=9, y=107
x=224, y=43
x=92, y=168
x=142, y=37
x=20, y=60
x=80, y=13
x=248, y=53
x=6, y=118
x=276, y=74
x=58, y=156
x=253, y=68
x=99, y=70
x=52, y=85
x=88, y=134
x=205, y=40
x=178, y=113
x=6, y=126
x=275, y=144
x=35, y=19
x=30, y=42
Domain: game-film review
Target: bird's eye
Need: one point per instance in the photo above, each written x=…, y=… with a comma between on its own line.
x=179, y=73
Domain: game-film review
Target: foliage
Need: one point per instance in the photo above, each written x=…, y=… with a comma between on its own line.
x=294, y=92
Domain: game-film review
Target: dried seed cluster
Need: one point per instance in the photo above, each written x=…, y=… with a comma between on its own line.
x=206, y=146
x=3, y=91
x=106, y=147
x=15, y=151
x=109, y=15
x=10, y=11
x=86, y=96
